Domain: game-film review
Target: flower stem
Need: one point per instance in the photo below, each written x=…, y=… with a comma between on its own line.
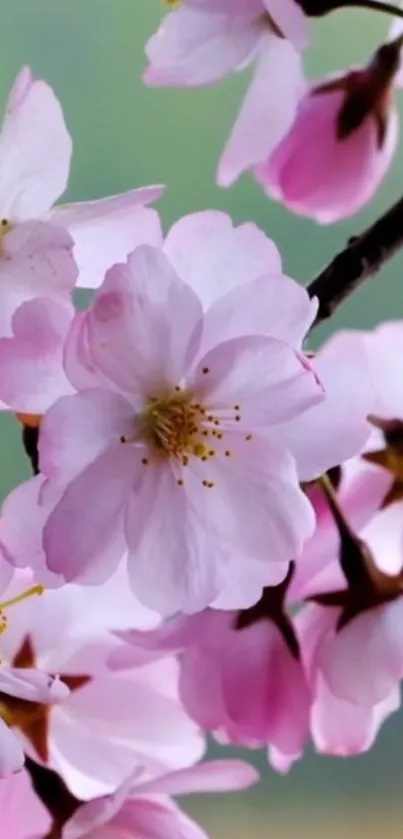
x=375, y=6
x=363, y=257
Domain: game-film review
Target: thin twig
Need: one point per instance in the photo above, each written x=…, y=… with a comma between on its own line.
x=363, y=257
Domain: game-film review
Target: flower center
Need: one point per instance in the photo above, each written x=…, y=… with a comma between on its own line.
x=174, y=425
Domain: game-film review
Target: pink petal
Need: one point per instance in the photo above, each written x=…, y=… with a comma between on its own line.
x=271, y=305
x=343, y=728
x=21, y=525
x=336, y=428
x=173, y=563
x=32, y=685
x=156, y=819
x=383, y=345
x=291, y=20
x=209, y=776
x=192, y=49
x=79, y=428
x=268, y=109
x=364, y=662
x=83, y=538
x=144, y=326
x=37, y=262
x=118, y=723
x=78, y=363
x=35, y=150
x=268, y=380
x=107, y=230
x=31, y=362
x=256, y=503
x=21, y=822
x=12, y=757
x=214, y=257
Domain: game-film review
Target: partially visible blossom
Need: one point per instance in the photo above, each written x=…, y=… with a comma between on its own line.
x=340, y=725
x=35, y=151
x=241, y=674
x=203, y=41
x=23, y=816
x=30, y=687
x=108, y=723
x=145, y=809
x=341, y=144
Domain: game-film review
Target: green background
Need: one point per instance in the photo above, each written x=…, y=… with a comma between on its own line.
x=125, y=135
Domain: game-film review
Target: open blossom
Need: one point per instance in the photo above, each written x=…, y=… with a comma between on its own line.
x=341, y=144
x=145, y=808
x=176, y=440
x=203, y=41
x=35, y=151
x=107, y=724
x=23, y=816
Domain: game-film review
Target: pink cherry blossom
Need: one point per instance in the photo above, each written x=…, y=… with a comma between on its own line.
x=33, y=686
x=203, y=41
x=23, y=816
x=339, y=726
x=241, y=676
x=109, y=723
x=145, y=808
x=180, y=424
x=35, y=151
x=340, y=145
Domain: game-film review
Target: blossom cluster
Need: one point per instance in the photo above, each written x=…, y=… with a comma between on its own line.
x=211, y=542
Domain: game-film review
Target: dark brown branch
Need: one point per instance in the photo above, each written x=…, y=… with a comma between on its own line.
x=363, y=257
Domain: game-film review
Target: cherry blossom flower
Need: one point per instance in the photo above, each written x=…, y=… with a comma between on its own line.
x=106, y=725
x=23, y=816
x=181, y=425
x=203, y=41
x=145, y=808
x=341, y=144
x=35, y=151
x=29, y=688
x=241, y=675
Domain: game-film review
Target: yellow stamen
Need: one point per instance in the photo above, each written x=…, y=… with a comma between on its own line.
x=31, y=592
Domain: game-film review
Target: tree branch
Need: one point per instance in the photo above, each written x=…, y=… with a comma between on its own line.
x=363, y=257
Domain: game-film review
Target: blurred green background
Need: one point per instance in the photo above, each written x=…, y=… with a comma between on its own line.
x=91, y=52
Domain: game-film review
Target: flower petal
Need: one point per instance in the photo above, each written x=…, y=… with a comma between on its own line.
x=213, y=256
x=144, y=326
x=83, y=538
x=31, y=362
x=35, y=150
x=268, y=109
x=191, y=49
x=107, y=230
x=269, y=381
x=272, y=305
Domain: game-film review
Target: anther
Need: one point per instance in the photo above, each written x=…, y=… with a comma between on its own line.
x=145, y=461
x=180, y=482
x=205, y=370
x=228, y=453
x=248, y=437
x=237, y=418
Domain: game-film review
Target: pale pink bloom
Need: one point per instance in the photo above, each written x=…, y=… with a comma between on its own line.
x=23, y=816
x=340, y=146
x=173, y=452
x=241, y=678
x=35, y=151
x=144, y=809
x=340, y=723
x=203, y=41
x=109, y=723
